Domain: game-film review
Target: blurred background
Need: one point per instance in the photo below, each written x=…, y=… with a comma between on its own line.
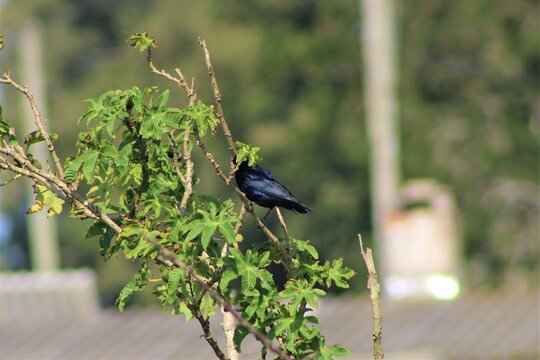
x=416, y=125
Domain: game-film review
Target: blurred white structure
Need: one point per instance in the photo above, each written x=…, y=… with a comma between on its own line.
x=421, y=254
x=36, y=297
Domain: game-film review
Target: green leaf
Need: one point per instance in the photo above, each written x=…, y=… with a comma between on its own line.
x=248, y=268
x=228, y=233
x=194, y=228
x=105, y=242
x=138, y=283
x=208, y=306
x=228, y=276
x=109, y=126
x=240, y=334
x=142, y=41
x=298, y=290
x=338, y=274
x=45, y=196
x=105, y=233
x=207, y=233
x=4, y=126
x=36, y=137
x=89, y=161
x=174, y=280
x=136, y=247
x=247, y=152
x=182, y=308
x=282, y=325
x=1, y=42
x=304, y=246
x=162, y=100
x=71, y=169
x=329, y=352
x=202, y=116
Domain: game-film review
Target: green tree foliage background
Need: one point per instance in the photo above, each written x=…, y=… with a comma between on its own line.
x=291, y=83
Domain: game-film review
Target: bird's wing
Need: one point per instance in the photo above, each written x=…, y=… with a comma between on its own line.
x=264, y=172
x=271, y=188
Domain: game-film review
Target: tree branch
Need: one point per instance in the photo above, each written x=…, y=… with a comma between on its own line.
x=217, y=97
x=6, y=79
x=188, y=184
x=374, y=290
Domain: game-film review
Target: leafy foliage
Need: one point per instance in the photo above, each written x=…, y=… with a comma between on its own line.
x=130, y=165
x=247, y=152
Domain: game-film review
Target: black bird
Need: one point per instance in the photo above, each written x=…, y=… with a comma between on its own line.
x=259, y=186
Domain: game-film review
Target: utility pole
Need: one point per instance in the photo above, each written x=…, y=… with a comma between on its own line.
x=380, y=60
x=42, y=232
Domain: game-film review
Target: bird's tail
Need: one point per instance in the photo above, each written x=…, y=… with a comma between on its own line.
x=297, y=206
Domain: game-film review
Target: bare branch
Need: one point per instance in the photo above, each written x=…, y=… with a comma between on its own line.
x=188, y=183
x=374, y=290
x=217, y=97
x=285, y=231
x=205, y=325
x=6, y=79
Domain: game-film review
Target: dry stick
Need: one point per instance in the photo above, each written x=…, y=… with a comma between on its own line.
x=285, y=231
x=188, y=184
x=282, y=222
x=6, y=79
x=171, y=257
x=374, y=290
x=217, y=97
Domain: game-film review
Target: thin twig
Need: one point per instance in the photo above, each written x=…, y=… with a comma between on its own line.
x=374, y=290
x=285, y=231
x=6, y=79
x=205, y=325
x=217, y=97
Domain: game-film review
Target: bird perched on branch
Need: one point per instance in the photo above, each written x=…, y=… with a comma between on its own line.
x=259, y=186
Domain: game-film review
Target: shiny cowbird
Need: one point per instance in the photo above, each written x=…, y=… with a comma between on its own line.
x=259, y=186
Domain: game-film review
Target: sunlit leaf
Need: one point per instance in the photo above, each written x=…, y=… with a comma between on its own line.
x=141, y=41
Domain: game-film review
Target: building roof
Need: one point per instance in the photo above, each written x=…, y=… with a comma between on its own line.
x=475, y=326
